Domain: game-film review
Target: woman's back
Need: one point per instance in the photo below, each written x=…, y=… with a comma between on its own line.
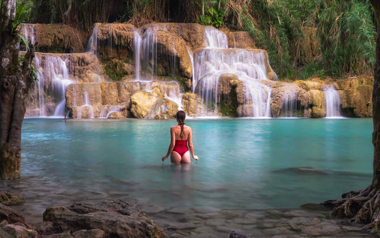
x=185, y=134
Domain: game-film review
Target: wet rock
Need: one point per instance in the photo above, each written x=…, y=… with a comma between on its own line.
x=163, y=109
x=93, y=233
x=3, y=223
x=298, y=223
x=11, y=216
x=66, y=234
x=20, y=231
x=44, y=227
x=192, y=104
x=9, y=199
x=277, y=231
x=237, y=235
x=115, y=218
x=116, y=115
x=141, y=103
x=322, y=229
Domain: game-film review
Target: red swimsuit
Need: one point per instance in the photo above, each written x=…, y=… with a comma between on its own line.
x=181, y=147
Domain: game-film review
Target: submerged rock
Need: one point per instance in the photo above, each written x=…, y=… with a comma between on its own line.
x=114, y=218
x=9, y=199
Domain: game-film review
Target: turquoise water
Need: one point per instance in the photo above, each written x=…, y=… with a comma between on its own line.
x=244, y=163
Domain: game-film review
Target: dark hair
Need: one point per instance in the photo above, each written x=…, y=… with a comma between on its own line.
x=181, y=117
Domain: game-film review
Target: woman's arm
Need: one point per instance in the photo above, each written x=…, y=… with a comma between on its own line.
x=171, y=146
x=191, y=146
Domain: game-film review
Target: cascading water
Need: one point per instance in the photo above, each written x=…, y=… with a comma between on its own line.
x=137, y=53
x=215, y=38
x=87, y=106
x=92, y=45
x=29, y=33
x=289, y=104
x=248, y=65
x=53, y=79
x=332, y=102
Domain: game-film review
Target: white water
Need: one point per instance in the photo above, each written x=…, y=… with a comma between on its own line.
x=249, y=66
x=86, y=105
x=137, y=53
x=53, y=79
x=215, y=39
x=92, y=45
x=29, y=33
x=332, y=102
x=289, y=104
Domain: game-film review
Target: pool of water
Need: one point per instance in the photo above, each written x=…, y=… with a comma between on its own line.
x=244, y=163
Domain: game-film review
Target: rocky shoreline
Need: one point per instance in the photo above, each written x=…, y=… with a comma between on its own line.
x=118, y=218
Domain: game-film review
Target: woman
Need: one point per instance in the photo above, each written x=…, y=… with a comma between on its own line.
x=180, y=136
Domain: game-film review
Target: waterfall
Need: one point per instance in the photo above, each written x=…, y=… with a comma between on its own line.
x=39, y=87
x=92, y=45
x=289, y=104
x=29, y=33
x=86, y=105
x=215, y=38
x=247, y=65
x=53, y=79
x=192, y=67
x=332, y=102
x=137, y=56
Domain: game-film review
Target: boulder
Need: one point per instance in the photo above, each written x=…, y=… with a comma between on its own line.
x=93, y=233
x=11, y=216
x=192, y=104
x=141, y=103
x=116, y=115
x=9, y=199
x=163, y=109
x=18, y=231
x=317, y=104
x=115, y=218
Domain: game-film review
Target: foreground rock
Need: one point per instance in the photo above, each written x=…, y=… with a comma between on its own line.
x=114, y=218
x=9, y=199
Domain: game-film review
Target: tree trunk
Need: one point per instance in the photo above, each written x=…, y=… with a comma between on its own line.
x=15, y=82
x=364, y=206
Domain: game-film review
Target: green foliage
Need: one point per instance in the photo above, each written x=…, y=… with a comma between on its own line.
x=344, y=31
x=33, y=71
x=22, y=15
x=212, y=17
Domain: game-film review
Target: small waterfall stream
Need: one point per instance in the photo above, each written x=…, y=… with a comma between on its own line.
x=332, y=102
x=289, y=104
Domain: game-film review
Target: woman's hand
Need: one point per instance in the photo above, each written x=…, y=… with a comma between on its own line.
x=164, y=157
x=196, y=157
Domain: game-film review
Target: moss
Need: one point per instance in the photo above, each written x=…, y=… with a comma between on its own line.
x=115, y=69
x=228, y=105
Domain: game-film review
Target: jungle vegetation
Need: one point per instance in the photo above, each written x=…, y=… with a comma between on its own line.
x=341, y=32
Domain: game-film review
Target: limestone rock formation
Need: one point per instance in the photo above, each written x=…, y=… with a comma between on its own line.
x=141, y=103
x=192, y=104
x=192, y=33
x=163, y=109
x=56, y=38
x=114, y=218
x=356, y=96
x=240, y=39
